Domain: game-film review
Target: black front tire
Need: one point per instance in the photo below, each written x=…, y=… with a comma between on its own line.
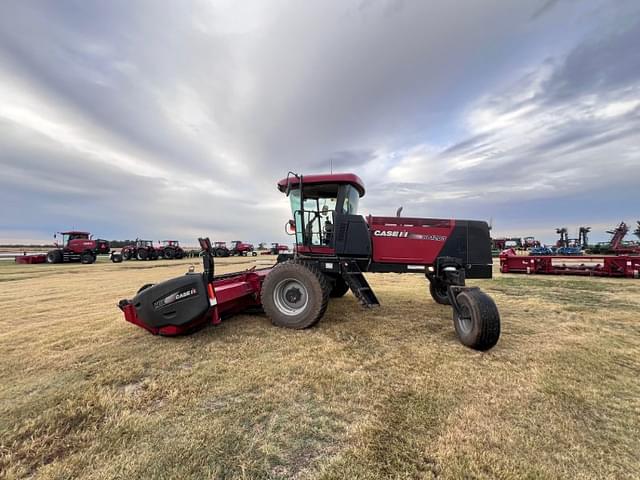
x=295, y=295
x=54, y=256
x=87, y=258
x=126, y=255
x=339, y=289
x=478, y=323
x=116, y=257
x=169, y=254
x=142, y=254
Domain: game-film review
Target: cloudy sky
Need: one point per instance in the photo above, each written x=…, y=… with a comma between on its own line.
x=175, y=119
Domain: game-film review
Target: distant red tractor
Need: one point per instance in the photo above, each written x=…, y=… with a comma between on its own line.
x=278, y=248
x=170, y=249
x=141, y=250
x=242, y=249
x=77, y=247
x=220, y=249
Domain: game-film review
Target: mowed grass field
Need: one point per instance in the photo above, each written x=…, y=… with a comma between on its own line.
x=380, y=394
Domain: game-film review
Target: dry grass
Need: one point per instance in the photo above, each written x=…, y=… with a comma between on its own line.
x=383, y=394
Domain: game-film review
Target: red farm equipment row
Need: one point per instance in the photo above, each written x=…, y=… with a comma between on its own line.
x=334, y=247
x=599, y=266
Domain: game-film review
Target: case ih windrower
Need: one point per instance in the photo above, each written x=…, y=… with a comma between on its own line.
x=77, y=247
x=242, y=249
x=334, y=246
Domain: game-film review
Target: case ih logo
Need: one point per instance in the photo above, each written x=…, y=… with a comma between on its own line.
x=413, y=236
x=390, y=233
x=174, y=297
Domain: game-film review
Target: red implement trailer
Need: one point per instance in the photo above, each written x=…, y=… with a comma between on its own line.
x=598, y=266
x=77, y=247
x=334, y=247
x=31, y=259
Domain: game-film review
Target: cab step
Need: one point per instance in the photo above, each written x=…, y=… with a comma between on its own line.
x=358, y=284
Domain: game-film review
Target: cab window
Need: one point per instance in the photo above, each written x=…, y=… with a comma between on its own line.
x=351, y=198
x=319, y=215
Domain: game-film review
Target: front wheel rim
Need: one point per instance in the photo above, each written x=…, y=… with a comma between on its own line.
x=465, y=322
x=291, y=297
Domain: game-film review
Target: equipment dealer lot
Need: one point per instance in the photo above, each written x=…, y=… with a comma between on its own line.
x=364, y=394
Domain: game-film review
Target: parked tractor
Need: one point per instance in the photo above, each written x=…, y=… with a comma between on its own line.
x=242, y=249
x=77, y=247
x=334, y=248
x=220, y=249
x=170, y=249
x=278, y=248
x=141, y=250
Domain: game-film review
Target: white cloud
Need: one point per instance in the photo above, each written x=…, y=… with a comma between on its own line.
x=183, y=117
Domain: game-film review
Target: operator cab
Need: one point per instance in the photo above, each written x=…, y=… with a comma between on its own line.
x=325, y=213
x=68, y=236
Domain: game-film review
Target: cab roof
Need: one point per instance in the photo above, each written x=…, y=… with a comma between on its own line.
x=338, y=178
x=74, y=232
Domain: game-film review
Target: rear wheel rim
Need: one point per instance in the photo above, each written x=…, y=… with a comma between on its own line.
x=290, y=296
x=465, y=323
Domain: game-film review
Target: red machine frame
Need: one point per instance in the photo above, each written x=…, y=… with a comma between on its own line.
x=596, y=265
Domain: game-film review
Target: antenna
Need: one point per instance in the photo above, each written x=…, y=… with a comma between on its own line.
x=331, y=165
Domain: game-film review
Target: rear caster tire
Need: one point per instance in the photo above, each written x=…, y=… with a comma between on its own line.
x=478, y=323
x=339, y=289
x=254, y=254
x=295, y=295
x=439, y=293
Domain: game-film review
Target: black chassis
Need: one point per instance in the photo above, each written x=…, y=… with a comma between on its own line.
x=448, y=272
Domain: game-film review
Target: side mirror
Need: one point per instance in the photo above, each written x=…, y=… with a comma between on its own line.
x=290, y=227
